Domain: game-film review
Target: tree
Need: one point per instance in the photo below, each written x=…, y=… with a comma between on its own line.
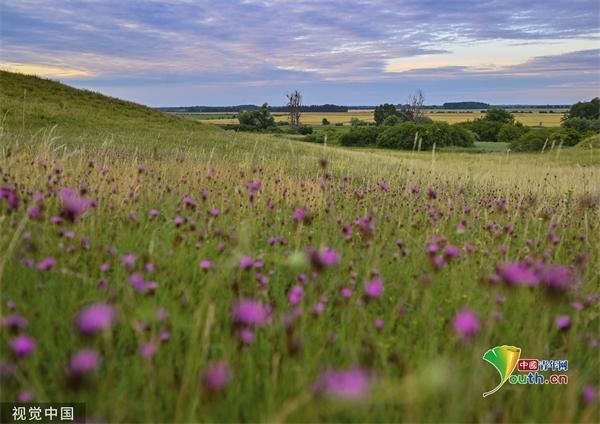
x=585, y=110
x=383, y=111
x=294, y=104
x=415, y=105
x=257, y=119
x=499, y=115
x=509, y=132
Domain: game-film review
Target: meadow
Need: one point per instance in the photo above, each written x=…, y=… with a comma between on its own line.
x=542, y=118
x=160, y=269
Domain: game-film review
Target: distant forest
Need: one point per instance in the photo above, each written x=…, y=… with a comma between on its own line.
x=338, y=108
x=206, y=109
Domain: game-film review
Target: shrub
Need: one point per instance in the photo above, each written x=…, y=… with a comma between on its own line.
x=325, y=121
x=390, y=121
x=509, y=132
x=257, y=119
x=531, y=141
x=382, y=112
x=585, y=110
x=315, y=138
x=565, y=136
x=499, y=115
x=359, y=136
x=582, y=124
x=423, y=120
x=305, y=129
x=486, y=130
x=400, y=136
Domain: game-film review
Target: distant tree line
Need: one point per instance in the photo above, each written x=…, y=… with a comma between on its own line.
x=239, y=108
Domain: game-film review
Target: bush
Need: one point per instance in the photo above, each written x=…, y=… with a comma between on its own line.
x=305, y=129
x=510, y=132
x=531, y=141
x=315, y=138
x=360, y=136
x=256, y=119
x=486, y=130
x=423, y=120
x=382, y=112
x=390, y=121
x=582, y=124
x=565, y=136
x=499, y=115
x=324, y=121
x=400, y=136
x=585, y=110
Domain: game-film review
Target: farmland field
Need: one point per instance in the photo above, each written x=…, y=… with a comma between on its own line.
x=531, y=118
x=160, y=269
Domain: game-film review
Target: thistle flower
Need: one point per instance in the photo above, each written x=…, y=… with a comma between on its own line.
x=11, y=198
x=22, y=345
x=46, y=263
x=299, y=214
x=295, y=295
x=96, y=317
x=250, y=312
x=246, y=262
x=374, y=288
x=246, y=336
x=351, y=385
x=147, y=350
x=205, y=264
x=73, y=205
x=517, y=274
x=466, y=324
x=326, y=257
x=84, y=361
x=14, y=321
x=217, y=376
x=563, y=322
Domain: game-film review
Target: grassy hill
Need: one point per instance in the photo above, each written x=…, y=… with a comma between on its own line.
x=29, y=103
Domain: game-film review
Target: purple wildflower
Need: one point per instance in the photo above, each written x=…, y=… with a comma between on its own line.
x=352, y=384
x=84, y=361
x=205, y=264
x=22, y=345
x=250, y=312
x=73, y=205
x=46, y=263
x=517, y=274
x=374, y=288
x=246, y=336
x=563, y=322
x=466, y=324
x=9, y=195
x=96, y=317
x=589, y=393
x=295, y=295
x=147, y=350
x=246, y=262
x=217, y=376
x=14, y=321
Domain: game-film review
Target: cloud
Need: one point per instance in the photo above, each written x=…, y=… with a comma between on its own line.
x=248, y=43
x=45, y=71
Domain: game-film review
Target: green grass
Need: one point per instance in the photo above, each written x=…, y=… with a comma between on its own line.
x=421, y=370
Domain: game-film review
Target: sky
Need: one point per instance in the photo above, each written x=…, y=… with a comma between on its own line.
x=351, y=52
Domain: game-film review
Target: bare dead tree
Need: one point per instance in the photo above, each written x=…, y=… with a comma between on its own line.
x=294, y=103
x=415, y=105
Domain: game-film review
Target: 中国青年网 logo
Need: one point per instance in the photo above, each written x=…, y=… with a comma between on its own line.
x=508, y=358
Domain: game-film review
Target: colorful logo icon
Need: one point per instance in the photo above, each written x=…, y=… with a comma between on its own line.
x=504, y=359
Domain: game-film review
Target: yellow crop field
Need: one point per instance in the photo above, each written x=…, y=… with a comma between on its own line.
x=544, y=118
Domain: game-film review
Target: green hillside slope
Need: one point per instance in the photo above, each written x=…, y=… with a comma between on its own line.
x=29, y=103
